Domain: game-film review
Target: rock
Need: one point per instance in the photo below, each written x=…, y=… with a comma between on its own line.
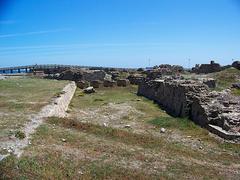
x=82, y=84
x=63, y=140
x=96, y=84
x=236, y=85
x=123, y=82
x=162, y=130
x=72, y=75
x=135, y=79
x=236, y=64
x=89, y=90
x=109, y=83
x=210, y=82
x=115, y=75
x=94, y=75
x=10, y=151
x=127, y=126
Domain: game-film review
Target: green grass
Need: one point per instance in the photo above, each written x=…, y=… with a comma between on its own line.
x=236, y=92
x=174, y=123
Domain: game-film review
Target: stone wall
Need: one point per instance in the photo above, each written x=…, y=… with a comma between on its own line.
x=174, y=96
x=217, y=111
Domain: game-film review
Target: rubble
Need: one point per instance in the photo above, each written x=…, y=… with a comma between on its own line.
x=236, y=85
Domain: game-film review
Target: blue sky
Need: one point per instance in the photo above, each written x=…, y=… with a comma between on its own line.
x=119, y=33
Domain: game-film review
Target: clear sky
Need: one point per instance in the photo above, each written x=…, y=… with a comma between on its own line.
x=119, y=33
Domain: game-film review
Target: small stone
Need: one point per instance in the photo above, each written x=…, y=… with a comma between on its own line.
x=9, y=150
x=162, y=130
x=80, y=172
x=189, y=136
x=127, y=126
x=63, y=140
x=200, y=147
x=105, y=124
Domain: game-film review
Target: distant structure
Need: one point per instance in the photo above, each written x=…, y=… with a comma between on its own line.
x=207, y=68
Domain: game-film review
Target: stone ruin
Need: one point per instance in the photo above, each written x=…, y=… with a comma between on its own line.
x=123, y=82
x=109, y=83
x=207, y=68
x=217, y=111
x=80, y=74
x=135, y=79
x=164, y=70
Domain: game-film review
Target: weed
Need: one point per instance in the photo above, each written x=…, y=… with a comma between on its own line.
x=20, y=135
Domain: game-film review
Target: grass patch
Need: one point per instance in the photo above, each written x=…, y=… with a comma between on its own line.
x=236, y=92
x=226, y=78
x=174, y=123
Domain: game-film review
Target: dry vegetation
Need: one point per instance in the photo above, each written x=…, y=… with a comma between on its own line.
x=95, y=143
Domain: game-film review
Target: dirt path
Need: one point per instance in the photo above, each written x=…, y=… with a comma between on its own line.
x=57, y=108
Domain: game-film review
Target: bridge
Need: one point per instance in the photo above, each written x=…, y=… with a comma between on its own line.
x=47, y=68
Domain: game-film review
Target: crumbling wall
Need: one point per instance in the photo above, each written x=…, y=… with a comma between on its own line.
x=217, y=111
x=175, y=96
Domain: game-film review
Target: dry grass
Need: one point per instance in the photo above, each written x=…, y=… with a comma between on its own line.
x=22, y=97
x=73, y=149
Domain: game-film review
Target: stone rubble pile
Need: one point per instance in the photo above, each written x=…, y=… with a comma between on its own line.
x=217, y=111
x=217, y=108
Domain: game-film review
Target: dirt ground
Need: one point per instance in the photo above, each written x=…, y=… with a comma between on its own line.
x=115, y=134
